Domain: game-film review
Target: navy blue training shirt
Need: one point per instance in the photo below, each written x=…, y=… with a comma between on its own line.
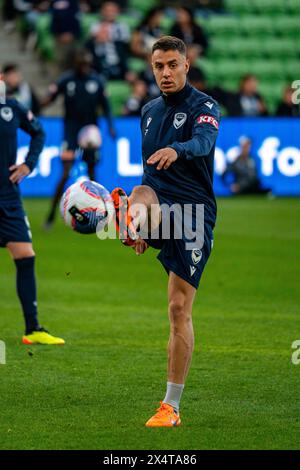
x=188, y=122
x=13, y=116
x=83, y=94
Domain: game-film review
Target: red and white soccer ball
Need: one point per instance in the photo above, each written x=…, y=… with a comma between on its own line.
x=87, y=207
x=89, y=137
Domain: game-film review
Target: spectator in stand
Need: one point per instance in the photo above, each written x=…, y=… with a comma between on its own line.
x=147, y=33
x=138, y=98
x=247, y=102
x=243, y=170
x=65, y=23
x=37, y=8
x=187, y=29
x=287, y=107
x=109, y=13
x=109, y=44
x=65, y=26
x=19, y=89
x=109, y=56
x=148, y=77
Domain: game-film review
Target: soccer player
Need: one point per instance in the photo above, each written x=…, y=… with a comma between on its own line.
x=179, y=131
x=15, y=232
x=83, y=93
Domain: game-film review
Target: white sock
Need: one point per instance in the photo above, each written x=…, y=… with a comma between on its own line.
x=173, y=395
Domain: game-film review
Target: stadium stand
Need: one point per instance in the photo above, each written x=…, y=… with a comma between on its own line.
x=257, y=36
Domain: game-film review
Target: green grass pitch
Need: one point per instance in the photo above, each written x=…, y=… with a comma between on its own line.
x=97, y=391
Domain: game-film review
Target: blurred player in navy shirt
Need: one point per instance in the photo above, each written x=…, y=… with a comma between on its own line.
x=83, y=93
x=15, y=232
x=179, y=131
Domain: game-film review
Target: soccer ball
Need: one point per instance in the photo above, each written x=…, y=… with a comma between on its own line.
x=87, y=207
x=89, y=137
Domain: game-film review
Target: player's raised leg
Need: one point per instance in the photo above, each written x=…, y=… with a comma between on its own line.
x=24, y=258
x=180, y=348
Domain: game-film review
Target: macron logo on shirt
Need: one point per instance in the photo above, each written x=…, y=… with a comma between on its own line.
x=208, y=119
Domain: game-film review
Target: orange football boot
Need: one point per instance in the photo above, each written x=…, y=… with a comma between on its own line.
x=165, y=417
x=123, y=220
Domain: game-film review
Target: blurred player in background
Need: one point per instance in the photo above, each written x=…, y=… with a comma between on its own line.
x=179, y=131
x=83, y=93
x=15, y=232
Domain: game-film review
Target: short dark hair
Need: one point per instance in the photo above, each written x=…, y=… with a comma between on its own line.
x=7, y=68
x=169, y=43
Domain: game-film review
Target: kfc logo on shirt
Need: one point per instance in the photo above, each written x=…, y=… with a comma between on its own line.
x=208, y=119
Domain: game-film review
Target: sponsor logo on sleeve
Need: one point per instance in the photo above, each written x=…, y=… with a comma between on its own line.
x=204, y=118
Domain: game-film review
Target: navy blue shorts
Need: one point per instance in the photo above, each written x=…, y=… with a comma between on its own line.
x=14, y=225
x=174, y=253
x=71, y=131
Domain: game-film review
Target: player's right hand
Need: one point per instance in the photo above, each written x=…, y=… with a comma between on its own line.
x=19, y=172
x=140, y=246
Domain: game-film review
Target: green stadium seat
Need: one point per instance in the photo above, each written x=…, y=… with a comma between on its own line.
x=257, y=26
x=270, y=7
x=230, y=70
x=220, y=25
x=247, y=48
x=43, y=25
x=118, y=92
x=287, y=26
x=272, y=93
x=142, y=6
x=235, y=47
x=136, y=65
x=166, y=24
x=87, y=20
x=45, y=40
x=267, y=69
x=131, y=21
x=208, y=66
x=239, y=7
x=280, y=48
x=292, y=70
x=231, y=84
x=293, y=7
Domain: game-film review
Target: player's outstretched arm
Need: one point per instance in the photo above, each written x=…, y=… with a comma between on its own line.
x=204, y=133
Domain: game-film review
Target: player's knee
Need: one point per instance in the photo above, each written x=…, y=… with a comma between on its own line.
x=177, y=311
x=144, y=192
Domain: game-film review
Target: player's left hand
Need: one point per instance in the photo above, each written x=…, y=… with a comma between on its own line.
x=19, y=172
x=164, y=157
